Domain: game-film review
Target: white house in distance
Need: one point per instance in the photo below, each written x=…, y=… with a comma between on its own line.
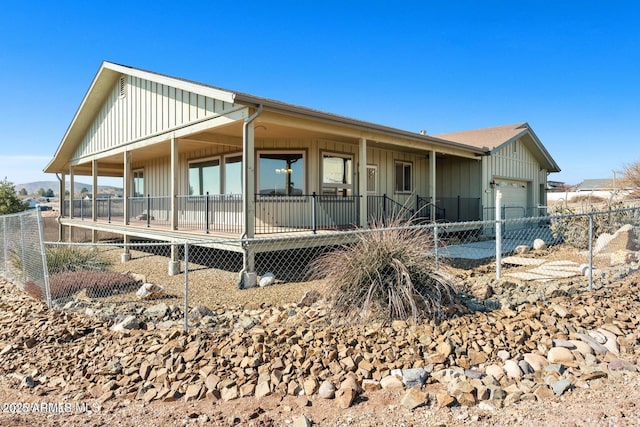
x=201, y=163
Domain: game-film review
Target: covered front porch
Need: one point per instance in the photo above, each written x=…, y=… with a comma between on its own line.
x=223, y=215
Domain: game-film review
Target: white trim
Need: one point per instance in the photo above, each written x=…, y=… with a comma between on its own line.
x=375, y=179
x=404, y=163
x=337, y=186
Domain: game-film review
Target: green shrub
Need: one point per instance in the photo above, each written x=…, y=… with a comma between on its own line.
x=388, y=273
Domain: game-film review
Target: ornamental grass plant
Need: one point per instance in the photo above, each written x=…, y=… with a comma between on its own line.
x=388, y=273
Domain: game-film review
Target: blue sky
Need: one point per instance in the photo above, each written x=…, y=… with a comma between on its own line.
x=570, y=69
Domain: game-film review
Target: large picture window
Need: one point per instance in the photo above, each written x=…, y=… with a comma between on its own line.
x=404, y=174
x=281, y=173
x=204, y=177
x=337, y=174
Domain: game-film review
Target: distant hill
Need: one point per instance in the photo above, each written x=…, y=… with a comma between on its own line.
x=33, y=187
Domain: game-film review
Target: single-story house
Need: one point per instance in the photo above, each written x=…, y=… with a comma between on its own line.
x=199, y=161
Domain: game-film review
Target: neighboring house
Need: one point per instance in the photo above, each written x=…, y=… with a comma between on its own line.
x=516, y=163
x=202, y=162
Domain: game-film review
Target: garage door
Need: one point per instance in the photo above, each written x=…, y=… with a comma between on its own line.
x=514, y=198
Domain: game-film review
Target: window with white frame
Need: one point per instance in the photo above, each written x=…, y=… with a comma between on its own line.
x=337, y=174
x=372, y=179
x=281, y=173
x=138, y=183
x=404, y=174
x=204, y=177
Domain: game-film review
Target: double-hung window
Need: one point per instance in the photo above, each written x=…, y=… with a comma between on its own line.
x=404, y=174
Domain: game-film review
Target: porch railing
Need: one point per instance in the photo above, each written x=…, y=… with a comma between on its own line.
x=283, y=214
x=274, y=213
x=451, y=209
x=382, y=209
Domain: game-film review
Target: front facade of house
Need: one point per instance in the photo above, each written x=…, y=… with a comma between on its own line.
x=202, y=160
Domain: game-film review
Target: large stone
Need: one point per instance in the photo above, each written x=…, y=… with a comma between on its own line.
x=536, y=361
x=560, y=355
x=620, y=240
x=539, y=244
x=391, y=382
x=128, y=323
x=414, y=377
x=267, y=279
x=345, y=397
x=198, y=312
x=512, y=369
x=301, y=421
x=414, y=398
x=327, y=390
x=150, y=291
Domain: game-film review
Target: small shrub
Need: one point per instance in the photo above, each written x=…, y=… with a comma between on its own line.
x=71, y=258
x=387, y=273
x=572, y=223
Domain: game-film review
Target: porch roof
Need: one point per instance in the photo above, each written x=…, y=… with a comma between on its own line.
x=109, y=72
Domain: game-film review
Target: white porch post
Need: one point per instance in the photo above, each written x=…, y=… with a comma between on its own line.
x=174, y=262
x=174, y=182
x=248, y=181
x=248, y=277
x=62, y=200
x=94, y=197
x=126, y=186
x=432, y=183
x=71, y=194
x=71, y=191
x=94, y=189
x=362, y=183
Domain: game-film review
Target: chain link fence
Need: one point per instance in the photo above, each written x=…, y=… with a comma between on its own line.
x=122, y=281
x=23, y=253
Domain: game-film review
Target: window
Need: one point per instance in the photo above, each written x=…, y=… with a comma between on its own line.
x=233, y=174
x=204, y=177
x=281, y=173
x=337, y=173
x=404, y=172
x=372, y=179
x=138, y=183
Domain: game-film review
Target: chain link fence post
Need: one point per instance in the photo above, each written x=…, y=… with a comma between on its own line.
x=590, y=252
x=45, y=267
x=498, y=235
x=186, y=286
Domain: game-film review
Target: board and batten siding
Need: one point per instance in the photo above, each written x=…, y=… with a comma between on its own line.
x=458, y=177
x=512, y=162
x=146, y=108
x=157, y=172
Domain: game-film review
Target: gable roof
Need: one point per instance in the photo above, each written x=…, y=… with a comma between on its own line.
x=493, y=138
x=109, y=72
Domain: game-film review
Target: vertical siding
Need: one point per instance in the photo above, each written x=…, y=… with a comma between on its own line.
x=147, y=109
x=517, y=165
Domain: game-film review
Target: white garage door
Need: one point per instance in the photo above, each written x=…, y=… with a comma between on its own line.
x=514, y=198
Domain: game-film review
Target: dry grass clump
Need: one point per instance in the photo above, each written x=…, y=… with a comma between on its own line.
x=388, y=273
x=75, y=258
